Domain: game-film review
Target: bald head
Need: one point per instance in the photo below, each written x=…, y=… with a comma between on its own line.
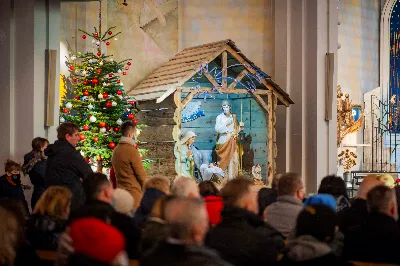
x=187, y=219
x=366, y=185
x=186, y=187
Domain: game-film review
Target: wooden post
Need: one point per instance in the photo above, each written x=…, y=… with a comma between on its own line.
x=188, y=98
x=272, y=150
x=224, y=69
x=176, y=133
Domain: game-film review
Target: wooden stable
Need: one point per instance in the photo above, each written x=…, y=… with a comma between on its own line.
x=188, y=76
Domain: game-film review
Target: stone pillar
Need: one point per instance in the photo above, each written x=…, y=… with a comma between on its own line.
x=307, y=31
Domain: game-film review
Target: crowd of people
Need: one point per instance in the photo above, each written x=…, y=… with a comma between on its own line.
x=79, y=218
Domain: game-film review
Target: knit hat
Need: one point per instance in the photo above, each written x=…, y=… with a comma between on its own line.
x=97, y=240
x=324, y=199
x=123, y=201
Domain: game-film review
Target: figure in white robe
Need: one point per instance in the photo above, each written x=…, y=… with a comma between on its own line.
x=184, y=164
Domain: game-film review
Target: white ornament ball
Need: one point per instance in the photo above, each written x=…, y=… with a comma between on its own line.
x=90, y=106
x=62, y=120
x=97, y=43
x=73, y=57
x=101, y=63
x=100, y=96
x=68, y=105
x=103, y=130
x=113, y=103
x=119, y=71
x=111, y=59
x=121, y=84
x=104, y=84
x=119, y=121
x=92, y=119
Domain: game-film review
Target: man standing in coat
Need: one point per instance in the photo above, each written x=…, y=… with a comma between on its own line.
x=127, y=164
x=65, y=165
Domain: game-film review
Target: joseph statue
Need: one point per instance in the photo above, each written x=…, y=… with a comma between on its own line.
x=227, y=149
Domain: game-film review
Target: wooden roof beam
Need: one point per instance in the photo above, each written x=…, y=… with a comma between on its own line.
x=188, y=98
x=238, y=79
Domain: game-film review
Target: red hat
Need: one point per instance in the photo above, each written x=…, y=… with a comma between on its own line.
x=96, y=239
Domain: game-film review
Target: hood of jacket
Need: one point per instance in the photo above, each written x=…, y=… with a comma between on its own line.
x=144, y=210
x=58, y=147
x=234, y=214
x=307, y=247
x=43, y=224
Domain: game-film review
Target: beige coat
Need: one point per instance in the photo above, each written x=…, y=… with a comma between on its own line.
x=129, y=170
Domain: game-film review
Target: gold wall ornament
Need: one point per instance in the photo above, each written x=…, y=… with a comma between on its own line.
x=350, y=117
x=347, y=159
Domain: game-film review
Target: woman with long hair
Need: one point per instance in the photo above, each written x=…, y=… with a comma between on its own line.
x=49, y=218
x=9, y=237
x=35, y=167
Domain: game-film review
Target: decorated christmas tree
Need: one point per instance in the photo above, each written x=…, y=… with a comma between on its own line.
x=100, y=105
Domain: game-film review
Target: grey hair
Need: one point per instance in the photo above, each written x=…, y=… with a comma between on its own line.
x=183, y=186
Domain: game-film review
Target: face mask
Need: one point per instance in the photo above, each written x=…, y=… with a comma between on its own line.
x=16, y=178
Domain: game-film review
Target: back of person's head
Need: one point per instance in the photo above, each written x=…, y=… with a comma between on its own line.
x=38, y=144
x=382, y=199
x=333, y=185
x=67, y=128
x=9, y=237
x=97, y=187
x=275, y=181
x=240, y=193
x=208, y=188
x=54, y=202
x=187, y=219
x=158, y=182
x=17, y=209
x=128, y=129
x=158, y=209
x=266, y=196
x=97, y=240
x=368, y=183
x=185, y=187
x=290, y=184
x=10, y=166
x=318, y=221
x=123, y=201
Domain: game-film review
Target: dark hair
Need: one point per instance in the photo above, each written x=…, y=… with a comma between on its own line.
x=379, y=198
x=289, y=184
x=266, y=196
x=333, y=185
x=16, y=208
x=127, y=127
x=318, y=221
x=234, y=190
x=66, y=128
x=38, y=143
x=208, y=188
x=93, y=184
x=10, y=165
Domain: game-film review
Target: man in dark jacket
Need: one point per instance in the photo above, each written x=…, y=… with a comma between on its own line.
x=99, y=195
x=65, y=165
x=242, y=238
x=377, y=239
x=188, y=225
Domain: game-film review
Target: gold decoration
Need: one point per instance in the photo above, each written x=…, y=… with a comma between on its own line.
x=347, y=159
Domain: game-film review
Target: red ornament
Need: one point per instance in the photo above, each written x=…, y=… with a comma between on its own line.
x=135, y=145
x=86, y=127
x=82, y=136
x=102, y=124
x=108, y=104
x=107, y=43
x=77, y=98
x=105, y=95
x=111, y=145
x=74, y=79
x=95, y=139
x=84, y=36
x=116, y=129
x=110, y=75
x=87, y=159
x=65, y=110
x=118, y=81
x=108, y=128
x=131, y=102
x=71, y=67
x=119, y=92
x=84, y=82
x=127, y=68
x=134, y=121
x=98, y=53
x=98, y=71
x=95, y=81
x=110, y=32
x=96, y=35
x=129, y=63
x=86, y=93
x=124, y=73
x=131, y=116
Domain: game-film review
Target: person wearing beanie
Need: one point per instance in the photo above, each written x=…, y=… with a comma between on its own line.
x=96, y=243
x=315, y=229
x=123, y=202
x=321, y=199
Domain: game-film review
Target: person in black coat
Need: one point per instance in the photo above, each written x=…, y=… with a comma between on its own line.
x=242, y=238
x=35, y=167
x=99, y=195
x=377, y=239
x=65, y=165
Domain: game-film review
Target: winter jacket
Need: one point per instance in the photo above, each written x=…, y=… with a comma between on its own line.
x=168, y=254
x=282, y=214
x=9, y=190
x=43, y=232
x=66, y=167
x=36, y=175
x=144, y=210
x=77, y=259
x=242, y=238
x=353, y=216
x=154, y=231
x=214, y=206
x=129, y=169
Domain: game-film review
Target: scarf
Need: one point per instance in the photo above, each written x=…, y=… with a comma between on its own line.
x=37, y=157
